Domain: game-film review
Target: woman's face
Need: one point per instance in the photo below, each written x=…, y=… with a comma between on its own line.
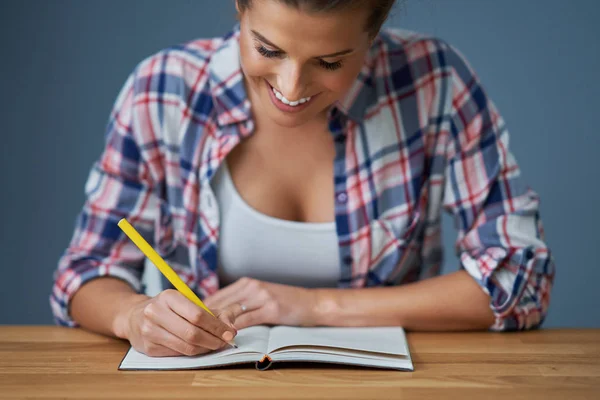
x=297, y=64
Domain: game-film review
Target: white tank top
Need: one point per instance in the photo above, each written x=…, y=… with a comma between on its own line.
x=255, y=245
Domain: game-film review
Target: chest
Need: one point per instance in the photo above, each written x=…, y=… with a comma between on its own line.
x=286, y=175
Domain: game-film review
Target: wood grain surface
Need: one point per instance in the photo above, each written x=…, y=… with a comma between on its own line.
x=60, y=363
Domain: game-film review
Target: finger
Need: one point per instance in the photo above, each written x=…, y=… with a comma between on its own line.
x=197, y=316
x=158, y=350
x=252, y=318
x=172, y=322
x=167, y=339
x=231, y=294
x=231, y=313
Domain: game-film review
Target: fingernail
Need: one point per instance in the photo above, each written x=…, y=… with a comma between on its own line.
x=227, y=336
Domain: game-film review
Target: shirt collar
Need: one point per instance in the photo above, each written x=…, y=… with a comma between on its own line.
x=231, y=101
x=360, y=97
x=227, y=83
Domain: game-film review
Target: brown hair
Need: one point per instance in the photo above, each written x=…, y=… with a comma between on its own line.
x=379, y=8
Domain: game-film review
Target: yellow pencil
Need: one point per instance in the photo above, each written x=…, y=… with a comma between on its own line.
x=162, y=266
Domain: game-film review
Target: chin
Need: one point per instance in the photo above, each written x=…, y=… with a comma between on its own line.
x=288, y=120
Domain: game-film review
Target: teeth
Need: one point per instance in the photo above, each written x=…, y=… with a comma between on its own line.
x=290, y=103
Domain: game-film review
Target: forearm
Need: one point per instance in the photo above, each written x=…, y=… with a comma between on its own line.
x=99, y=304
x=448, y=302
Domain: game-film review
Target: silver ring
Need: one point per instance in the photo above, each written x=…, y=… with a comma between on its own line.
x=243, y=307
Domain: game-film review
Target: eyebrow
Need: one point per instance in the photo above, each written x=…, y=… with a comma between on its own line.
x=269, y=43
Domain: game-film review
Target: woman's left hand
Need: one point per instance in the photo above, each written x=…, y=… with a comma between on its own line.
x=266, y=303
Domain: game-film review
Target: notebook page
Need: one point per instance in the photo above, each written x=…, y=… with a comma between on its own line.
x=386, y=340
x=381, y=361
x=251, y=342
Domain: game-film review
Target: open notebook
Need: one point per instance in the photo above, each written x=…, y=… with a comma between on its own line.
x=381, y=347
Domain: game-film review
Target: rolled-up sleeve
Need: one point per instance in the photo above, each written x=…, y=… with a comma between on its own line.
x=500, y=235
x=119, y=185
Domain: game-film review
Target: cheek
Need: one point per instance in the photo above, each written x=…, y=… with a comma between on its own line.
x=338, y=81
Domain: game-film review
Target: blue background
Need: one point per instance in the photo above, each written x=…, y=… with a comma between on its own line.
x=63, y=62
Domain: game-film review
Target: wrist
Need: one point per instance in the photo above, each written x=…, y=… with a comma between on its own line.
x=120, y=326
x=324, y=308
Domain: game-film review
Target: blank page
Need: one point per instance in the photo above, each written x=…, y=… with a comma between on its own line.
x=386, y=340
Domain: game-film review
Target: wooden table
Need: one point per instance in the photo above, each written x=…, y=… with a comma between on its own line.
x=53, y=362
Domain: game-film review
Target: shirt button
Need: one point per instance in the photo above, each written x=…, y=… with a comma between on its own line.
x=342, y=197
x=529, y=254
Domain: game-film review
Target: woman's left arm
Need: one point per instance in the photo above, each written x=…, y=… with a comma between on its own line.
x=444, y=303
x=507, y=270
x=449, y=302
x=500, y=234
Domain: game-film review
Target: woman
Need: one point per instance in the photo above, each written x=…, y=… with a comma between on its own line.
x=305, y=153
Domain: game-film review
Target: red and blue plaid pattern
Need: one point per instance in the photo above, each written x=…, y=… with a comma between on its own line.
x=416, y=134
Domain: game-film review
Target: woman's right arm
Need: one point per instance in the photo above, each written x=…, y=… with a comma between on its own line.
x=98, y=279
x=165, y=325
x=102, y=305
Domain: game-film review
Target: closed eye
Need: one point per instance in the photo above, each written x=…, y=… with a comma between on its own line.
x=331, y=66
x=265, y=52
x=268, y=53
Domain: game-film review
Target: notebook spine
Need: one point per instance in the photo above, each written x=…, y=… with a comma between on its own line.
x=264, y=363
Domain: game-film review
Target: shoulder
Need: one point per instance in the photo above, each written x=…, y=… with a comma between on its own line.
x=172, y=86
x=176, y=69
x=410, y=58
x=165, y=91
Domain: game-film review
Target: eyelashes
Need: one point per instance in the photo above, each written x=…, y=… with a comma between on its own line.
x=263, y=51
x=330, y=66
x=268, y=53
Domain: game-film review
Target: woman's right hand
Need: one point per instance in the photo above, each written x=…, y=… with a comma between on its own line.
x=171, y=325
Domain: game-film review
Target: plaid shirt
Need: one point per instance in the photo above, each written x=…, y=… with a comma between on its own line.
x=416, y=133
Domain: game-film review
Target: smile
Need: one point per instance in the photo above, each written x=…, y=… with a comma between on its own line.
x=284, y=104
x=294, y=103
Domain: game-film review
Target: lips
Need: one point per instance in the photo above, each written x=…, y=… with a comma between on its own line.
x=292, y=103
x=280, y=101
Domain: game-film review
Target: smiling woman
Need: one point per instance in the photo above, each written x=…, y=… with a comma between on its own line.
x=288, y=61
x=293, y=172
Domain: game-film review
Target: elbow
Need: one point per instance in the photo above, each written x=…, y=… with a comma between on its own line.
x=520, y=321
x=60, y=308
x=520, y=291
x=529, y=311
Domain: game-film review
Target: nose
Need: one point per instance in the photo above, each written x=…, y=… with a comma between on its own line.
x=291, y=81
